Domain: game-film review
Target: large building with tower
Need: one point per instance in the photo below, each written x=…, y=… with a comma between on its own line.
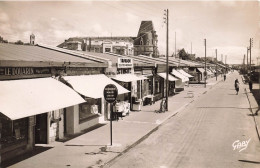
x=144, y=44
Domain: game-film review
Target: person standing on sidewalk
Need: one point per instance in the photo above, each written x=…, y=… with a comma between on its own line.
x=224, y=77
x=250, y=83
x=237, y=86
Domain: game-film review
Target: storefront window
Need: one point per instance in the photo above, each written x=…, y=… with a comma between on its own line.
x=13, y=131
x=89, y=109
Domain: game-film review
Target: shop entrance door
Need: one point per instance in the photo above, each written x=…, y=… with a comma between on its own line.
x=41, y=129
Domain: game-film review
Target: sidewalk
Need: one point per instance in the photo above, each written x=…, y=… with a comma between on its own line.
x=253, y=98
x=93, y=149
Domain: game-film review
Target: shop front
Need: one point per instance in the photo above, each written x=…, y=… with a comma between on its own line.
x=95, y=110
x=201, y=74
x=183, y=80
x=160, y=85
x=145, y=85
x=132, y=83
x=26, y=118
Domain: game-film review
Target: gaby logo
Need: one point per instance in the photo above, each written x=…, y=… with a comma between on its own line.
x=240, y=145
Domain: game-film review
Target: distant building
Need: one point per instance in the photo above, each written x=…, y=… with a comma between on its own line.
x=144, y=44
x=117, y=45
x=146, y=41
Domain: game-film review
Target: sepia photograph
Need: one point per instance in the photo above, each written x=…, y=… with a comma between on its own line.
x=129, y=84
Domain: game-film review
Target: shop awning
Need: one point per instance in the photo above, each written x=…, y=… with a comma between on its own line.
x=127, y=77
x=185, y=73
x=201, y=70
x=28, y=97
x=170, y=77
x=142, y=77
x=179, y=75
x=209, y=72
x=92, y=85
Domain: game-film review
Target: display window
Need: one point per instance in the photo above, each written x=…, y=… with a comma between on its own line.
x=89, y=109
x=13, y=131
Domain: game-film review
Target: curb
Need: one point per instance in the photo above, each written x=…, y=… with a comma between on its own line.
x=256, y=126
x=146, y=135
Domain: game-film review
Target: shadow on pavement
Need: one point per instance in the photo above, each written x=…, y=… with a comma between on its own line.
x=69, y=137
x=248, y=161
x=251, y=115
x=37, y=150
x=256, y=94
x=226, y=107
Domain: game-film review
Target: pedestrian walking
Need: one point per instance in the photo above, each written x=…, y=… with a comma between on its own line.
x=237, y=86
x=224, y=77
x=162, y=106
x=250, y=85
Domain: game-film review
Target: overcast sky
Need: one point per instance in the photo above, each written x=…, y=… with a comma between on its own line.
x=227, y=25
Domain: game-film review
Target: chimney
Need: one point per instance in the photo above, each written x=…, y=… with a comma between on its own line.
x=32, y=39
x=89, y=44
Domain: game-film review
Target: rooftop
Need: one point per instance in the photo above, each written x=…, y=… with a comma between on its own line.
x=12, y=52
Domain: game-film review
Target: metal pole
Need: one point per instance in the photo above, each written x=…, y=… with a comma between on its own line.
x=216, y=64
x=205, y=62
x=246, y=59
x=191, y=50
x=0, y=144
x=167, y=59
x=250, y=57
x=111, y=123
x=244, y=62
x=175, y=46
x=225, y=64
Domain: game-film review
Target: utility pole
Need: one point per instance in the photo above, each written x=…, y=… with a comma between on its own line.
x=205, y=75
x=216, y=64
x=175, y=46
x=167, y=57
x=226, y=64
x=191, y=50
x=222, y=58
x=244, y=62
x=247, y=59
x=250, y=47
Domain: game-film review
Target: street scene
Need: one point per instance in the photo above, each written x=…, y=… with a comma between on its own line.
x=138, y=84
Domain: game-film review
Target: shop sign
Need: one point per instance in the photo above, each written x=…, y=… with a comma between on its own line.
x=161, y=68
x=125, y=63
x=18, y=71
x=147, y=72
x=110, y=93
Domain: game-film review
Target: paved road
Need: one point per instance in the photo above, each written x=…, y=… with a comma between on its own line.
x=201, y=135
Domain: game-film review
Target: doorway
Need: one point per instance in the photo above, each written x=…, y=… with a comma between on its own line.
x=41, y=129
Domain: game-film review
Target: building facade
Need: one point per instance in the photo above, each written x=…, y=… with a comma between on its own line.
x=116, y=45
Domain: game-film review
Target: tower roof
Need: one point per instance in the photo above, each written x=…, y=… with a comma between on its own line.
x=145, y=26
